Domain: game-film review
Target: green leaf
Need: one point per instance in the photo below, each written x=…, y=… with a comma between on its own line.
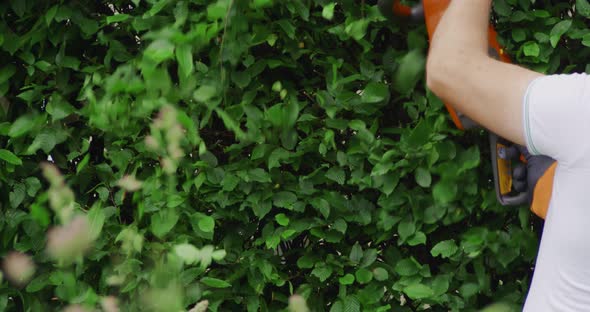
x=531, y=49
x=559, y=30
x=163, y=221
x=50, y=14
x=410, y=71
x=40, y=214
x=262, y=3
x=121, y=17
x=306, y=262
x=328, y=11
x=21, y=126
x=29, y=95
x=159, y=51
x=302, y=9
x=218, y=255
x=206, y=224
x=440, y=284
x=287, y=27
x=184, y=56
x=468, y=290
x=469, y=158
x=215, y=282
x=204, y=93
x=282, y=219
x=46, y=140
x=187, y=252
x=96, y=218
x=259, y=175
x=363, y=276
x=17, y=195
x=347, y=279
x=38, y=283
x=444, y=249
x=69, y=62
x=419, y=238
x=241, y=78
x=261, y=209
x=277, y=86
x=356, y=253
x=44, y=66
x=420, y=135
x=288, y=233
x=275, y=115
x=375, y=92
x=357, y=29
x=340, y=226
x=369, y=257
x=33, y=186
x=406, y=228
x=284, y=199
x=418, y=291
x=322, y=205
x=19, y=7
x=59, y=108
x=380, y=274
x=407, y=267
x=351, y=304
x=322, y=272
x=501, y=307
x=88, y=26
x=337, y=175
x=390, y=182
x=10, y=158
x=583, y=8
x=82, y=164
x=7, y=72
x=445, y=191
x=275, y=158
x=502, y=8
x=518, y=35
x=423, y=177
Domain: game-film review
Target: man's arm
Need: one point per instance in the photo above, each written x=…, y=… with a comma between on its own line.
x=460, y=71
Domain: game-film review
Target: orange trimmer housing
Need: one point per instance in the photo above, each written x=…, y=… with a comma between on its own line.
x=432, y=11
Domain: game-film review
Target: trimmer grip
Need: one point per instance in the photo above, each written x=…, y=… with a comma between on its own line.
x=503, y=163
x=521, y=178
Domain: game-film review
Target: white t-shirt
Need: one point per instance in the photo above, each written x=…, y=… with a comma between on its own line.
x=557, y=124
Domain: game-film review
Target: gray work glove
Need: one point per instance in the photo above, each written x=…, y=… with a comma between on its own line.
x=526, y=176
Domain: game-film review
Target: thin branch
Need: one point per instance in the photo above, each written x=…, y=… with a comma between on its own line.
x=222, y=72
x=225, y=22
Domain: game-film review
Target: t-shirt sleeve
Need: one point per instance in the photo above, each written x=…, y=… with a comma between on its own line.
x=556, y=117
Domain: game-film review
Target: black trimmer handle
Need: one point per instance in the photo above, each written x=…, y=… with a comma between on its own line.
x=506, y=162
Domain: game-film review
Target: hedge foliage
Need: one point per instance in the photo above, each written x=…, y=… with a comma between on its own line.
x=231, y=153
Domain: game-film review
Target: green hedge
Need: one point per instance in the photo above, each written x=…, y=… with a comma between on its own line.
x=233, y=153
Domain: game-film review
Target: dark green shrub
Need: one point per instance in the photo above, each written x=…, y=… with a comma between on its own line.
x=242, y=151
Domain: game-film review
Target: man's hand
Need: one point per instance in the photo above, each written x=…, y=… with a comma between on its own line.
x=526, y=176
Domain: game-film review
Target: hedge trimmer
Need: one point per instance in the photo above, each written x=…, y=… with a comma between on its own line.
x=509, y=161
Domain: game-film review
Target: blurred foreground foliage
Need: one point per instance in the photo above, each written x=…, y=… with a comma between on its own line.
x=170, y=155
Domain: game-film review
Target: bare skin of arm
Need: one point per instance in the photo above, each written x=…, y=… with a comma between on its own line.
x=460, y=71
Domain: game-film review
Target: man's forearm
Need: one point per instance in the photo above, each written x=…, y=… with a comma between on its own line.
x=463, y=30
x=459, y=46
x=460, y=71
